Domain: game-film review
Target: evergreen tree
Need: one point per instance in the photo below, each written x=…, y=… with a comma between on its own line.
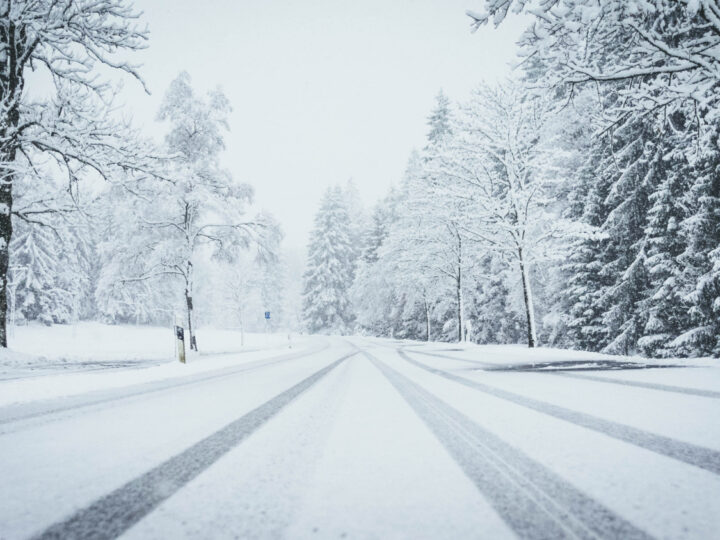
x=35, y=278
x=330, y=268
x=624, y=251
x=701, y=258
x=494, y=320
x=585, y=281
x=665, y=305
x=439, y=119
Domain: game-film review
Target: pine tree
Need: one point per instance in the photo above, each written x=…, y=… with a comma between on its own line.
x=585, y=280
x=494, y=320
x=39, y=293
x=665, y=305
x=439, y=119
x=331, y=253
x=701, y=258
x=624, y=227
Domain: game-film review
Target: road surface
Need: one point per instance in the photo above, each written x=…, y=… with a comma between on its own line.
x=359, y=438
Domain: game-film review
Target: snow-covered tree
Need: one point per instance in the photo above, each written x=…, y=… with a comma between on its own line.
x=119, y=296
x=660, y=56
x=37, y=290
x=701, y=258
x=495, y=163
x=199, y=207
x=330, y=267
x=651, y=69
x=373, y=291
x=63, y=47
x=666, y=308
x=439, y=119
x=494, y=318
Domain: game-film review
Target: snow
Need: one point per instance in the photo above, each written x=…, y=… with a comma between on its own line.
x=335, y=441
x=50, y=469
x=64, y=360
x=351, y=456
x=508, y=355
x=92, y=341
x=668, y=498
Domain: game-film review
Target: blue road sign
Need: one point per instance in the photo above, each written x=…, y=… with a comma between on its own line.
x=267, y=314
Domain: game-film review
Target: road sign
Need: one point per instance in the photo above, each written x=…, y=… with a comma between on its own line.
x=267, y=314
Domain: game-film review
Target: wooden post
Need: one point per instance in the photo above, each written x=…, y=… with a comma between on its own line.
x=180, y=342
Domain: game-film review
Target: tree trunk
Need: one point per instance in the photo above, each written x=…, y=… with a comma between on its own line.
x=11, y=86
x=189, y=304
x=527, y=296
x=5, y=236
x=459, y=308
x=460, y=296
x=427, y=319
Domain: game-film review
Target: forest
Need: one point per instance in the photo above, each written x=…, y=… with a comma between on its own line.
x=575, y=204
x=100, y=221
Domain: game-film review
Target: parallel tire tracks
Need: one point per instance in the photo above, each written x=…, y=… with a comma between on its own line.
x=487, y=365
x=698, y=456
x=640, y=384
x=26, y=411
x=116, y=512
x=533, y=501
x=561, y=373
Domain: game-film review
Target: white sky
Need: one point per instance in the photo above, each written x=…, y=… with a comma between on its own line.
x=322, y=90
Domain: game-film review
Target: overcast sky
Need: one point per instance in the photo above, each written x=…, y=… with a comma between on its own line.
x=322, y=90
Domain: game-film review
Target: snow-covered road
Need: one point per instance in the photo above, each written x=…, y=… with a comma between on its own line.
x=367, y=438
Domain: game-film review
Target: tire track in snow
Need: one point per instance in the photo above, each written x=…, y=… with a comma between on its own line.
x=639, y=384
x=698, y=456
x=26, y=411
x=488, y=365
x=535, y=502
x=561, y=373
x=113, y=514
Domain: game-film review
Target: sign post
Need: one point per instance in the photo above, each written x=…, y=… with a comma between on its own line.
x=180, y=342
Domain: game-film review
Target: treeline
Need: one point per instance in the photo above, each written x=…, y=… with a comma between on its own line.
x=97, y=221
x=577, y=205
x=178, y=241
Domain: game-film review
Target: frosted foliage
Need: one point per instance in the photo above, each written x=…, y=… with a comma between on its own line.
x=330, y=270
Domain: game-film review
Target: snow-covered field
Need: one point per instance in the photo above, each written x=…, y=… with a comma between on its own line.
x=48, y=362
x=357, y=438
x=37, y=348
x=95, y=342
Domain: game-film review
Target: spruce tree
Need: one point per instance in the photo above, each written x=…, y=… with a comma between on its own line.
x=35, y=279
x=331, y=253
x=701, y=258
x=621, y=301
x=665, y=305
